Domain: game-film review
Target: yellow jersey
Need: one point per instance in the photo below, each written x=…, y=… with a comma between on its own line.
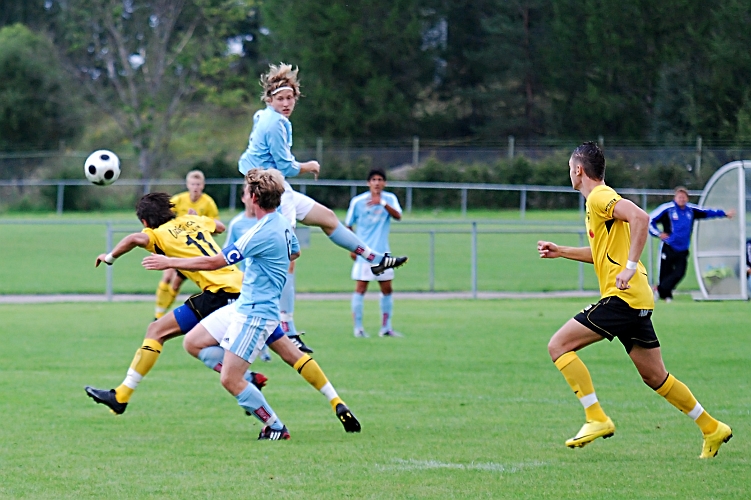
x=610, y=240
x=190, y=236
x=203, y=206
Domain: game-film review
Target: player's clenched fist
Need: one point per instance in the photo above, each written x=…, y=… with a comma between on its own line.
x=547, y=250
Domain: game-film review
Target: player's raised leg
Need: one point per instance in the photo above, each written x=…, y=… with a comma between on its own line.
x=338, y=233
x=562, y=346
x=652, y=369
x=287, y=311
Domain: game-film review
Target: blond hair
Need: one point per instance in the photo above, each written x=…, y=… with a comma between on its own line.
x=267, y=185
x=277, y=77
x=195, y=174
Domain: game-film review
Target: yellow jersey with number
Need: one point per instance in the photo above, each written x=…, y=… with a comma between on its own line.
x=190, y=236
x=203, y=206
x=610, y=240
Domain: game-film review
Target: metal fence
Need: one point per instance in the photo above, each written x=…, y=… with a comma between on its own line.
x=641, y=196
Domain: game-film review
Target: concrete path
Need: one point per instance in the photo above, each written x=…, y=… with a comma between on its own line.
x=42, y=299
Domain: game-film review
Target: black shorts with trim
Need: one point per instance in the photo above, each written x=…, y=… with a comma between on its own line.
x=207, y=302
x=612, y=317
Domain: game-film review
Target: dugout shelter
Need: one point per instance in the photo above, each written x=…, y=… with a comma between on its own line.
x=719, y=246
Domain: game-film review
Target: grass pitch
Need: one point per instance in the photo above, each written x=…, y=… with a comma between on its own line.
x=467, y=405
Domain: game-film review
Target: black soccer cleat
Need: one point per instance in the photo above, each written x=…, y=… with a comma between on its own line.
x=258, y=379
x=388, y=262
x=107, y=398
x=267, y=433
x=348, y=420
x=299, y=343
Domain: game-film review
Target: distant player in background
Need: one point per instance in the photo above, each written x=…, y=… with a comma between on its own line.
x=191, y=202
x=243, y=327
x=677, y=220
x=372, y=212
x=269, y=146
x=617, y=230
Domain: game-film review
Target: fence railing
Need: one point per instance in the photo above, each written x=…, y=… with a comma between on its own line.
x=302, y=184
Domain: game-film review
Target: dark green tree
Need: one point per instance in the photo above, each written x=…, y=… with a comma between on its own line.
x=37, y=107
x=362, y=64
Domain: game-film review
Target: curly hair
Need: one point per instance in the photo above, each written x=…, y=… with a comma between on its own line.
x=266, y=185
x=156, y=209
x=277, y=77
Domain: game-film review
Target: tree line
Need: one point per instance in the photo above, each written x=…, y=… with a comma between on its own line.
x=660, y=72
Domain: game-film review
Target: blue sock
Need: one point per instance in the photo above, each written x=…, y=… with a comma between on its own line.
x=213, y=356
x=357, y=307
x=287, y=306
x=252, y=401
x=348, y=240
x=387, y=305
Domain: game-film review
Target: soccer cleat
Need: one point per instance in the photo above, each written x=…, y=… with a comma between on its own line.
x=360, y=333
x=267, y=433
x=258, y=379
x=348, y=420
x=388, y=262
x=265, y=356
x=713, y=441
x=107, y=398
x=591, y=431
x=299, y=343
x=389, y=333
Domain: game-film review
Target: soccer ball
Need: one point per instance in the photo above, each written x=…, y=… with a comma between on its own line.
x=102, y=167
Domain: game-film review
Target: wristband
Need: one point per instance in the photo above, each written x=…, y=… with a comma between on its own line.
x=109, y=259
x=383, y=202
x=631, y=265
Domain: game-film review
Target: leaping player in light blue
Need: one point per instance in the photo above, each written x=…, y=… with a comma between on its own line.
x=269, y=146
x=243, y=328
x=372, y=212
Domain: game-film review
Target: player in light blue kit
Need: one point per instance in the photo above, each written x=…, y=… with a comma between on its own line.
x=269, y=146
x=372, y=212
x=238, y=226
x=243, y=328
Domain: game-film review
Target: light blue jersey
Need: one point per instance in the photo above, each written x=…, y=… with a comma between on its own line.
x=373, y=221
x=268, y=246
x=270, y=144
x=238, y=226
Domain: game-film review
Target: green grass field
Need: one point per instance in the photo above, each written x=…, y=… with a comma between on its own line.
x=467, y=405
x=506, y=262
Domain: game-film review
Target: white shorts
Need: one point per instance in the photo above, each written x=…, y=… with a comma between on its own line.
x=237, y=333
x=361, y=272
x=295, y=206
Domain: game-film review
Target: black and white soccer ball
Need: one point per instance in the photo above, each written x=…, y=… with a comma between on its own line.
x=102, y=167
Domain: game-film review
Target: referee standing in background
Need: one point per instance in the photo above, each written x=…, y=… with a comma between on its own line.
x=677, y=220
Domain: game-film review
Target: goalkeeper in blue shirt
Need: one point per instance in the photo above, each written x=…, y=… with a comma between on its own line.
x=677, y=221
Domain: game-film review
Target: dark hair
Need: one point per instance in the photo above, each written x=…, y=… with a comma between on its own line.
x=155, y=209
x=592, y=159
x=267, y=185
x=377, y=171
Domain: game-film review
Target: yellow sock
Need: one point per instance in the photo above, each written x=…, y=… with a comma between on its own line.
x=143, y=361
x=679, y=395
x=165, y=296
x=577, y=376
x=310, y=371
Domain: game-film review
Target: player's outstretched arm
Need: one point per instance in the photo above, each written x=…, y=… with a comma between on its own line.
x=161, y=262
x=124, y=246
x=220, y=227
x=638, y=221
x=549, y=250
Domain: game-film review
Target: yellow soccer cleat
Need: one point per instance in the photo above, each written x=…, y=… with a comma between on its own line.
x=713, y=441
x=591, y=431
